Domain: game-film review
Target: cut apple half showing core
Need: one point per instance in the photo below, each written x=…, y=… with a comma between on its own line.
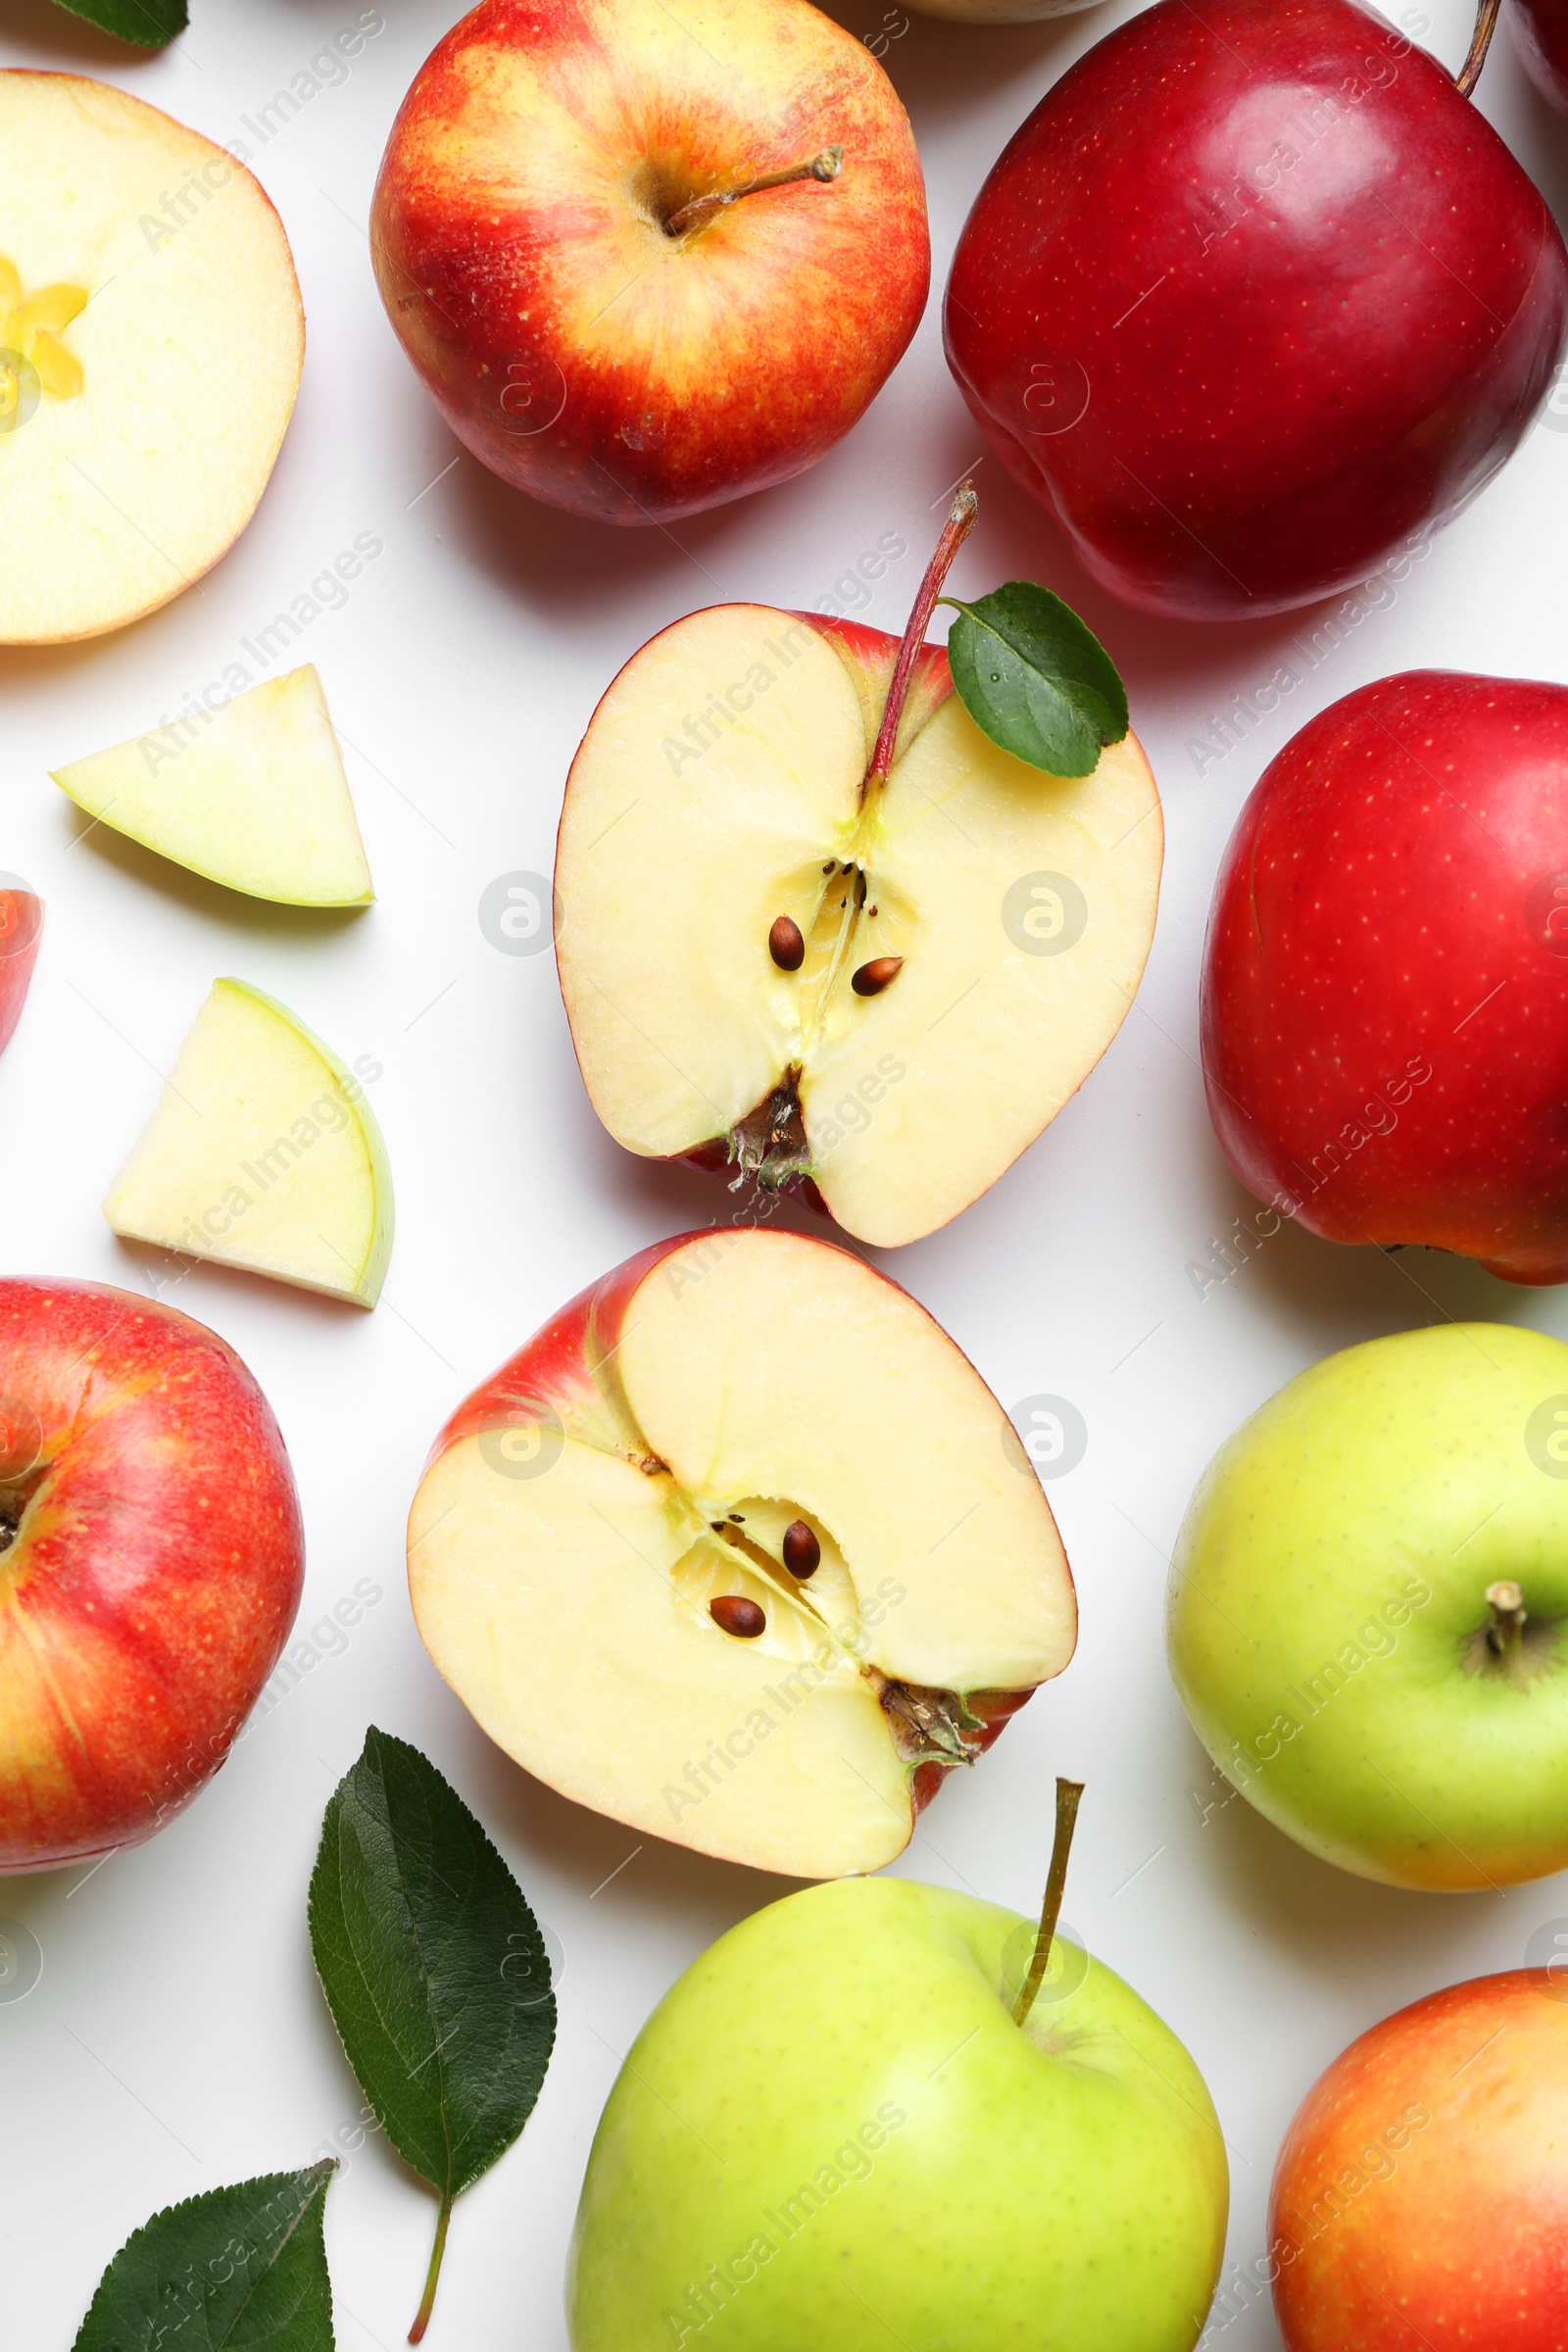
x=741, y=1550
x=816, y=927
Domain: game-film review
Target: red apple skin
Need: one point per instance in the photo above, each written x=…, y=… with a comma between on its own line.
x=154, y=1577
x=1240, y=381
x=551, y=1370
x=1388, y=2232
x=577, y=351
x=1540, y=35
x=1388, y=960
x=20, y=929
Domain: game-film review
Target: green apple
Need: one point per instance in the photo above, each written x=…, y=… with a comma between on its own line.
x=832, y=2134
x=1367, y=1607
x=252, y=795
x=263, y=1153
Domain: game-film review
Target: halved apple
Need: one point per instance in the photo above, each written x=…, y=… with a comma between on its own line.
x=251, y=794
x=883, y=991
x=151, y=340
x=263, y=1153
x=740, y=1549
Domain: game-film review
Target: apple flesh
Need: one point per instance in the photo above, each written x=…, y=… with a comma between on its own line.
x=151, y=341
x=831, y=2132
x=1420, y=2197
x=1020, y=907
x=262, y=1153
x=1385, y=999
x=1541, y=33
x=1368, y=1606
x=598, y=1555
x=20, y=929
x=1252, y=299
x=587, y=339
x=252, y=795
x=150, y=1568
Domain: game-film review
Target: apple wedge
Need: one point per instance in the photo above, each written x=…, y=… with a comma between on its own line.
x=151, y=340
x=264, y=1154
x=875, y=987
x=20, y=929
x=252, y=795
x=741, y=1550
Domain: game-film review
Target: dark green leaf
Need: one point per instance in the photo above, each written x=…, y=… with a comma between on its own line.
x=432, y=1965
x=238, y=2269
x=1038, y=682
x=147, y=22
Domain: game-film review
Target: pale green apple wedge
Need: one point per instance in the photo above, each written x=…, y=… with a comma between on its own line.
x=263, y=1153
x=252, y=795
x=831, y=2135
x=1368, y=1616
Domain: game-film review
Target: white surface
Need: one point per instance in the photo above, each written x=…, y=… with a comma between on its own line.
x=177, y=2039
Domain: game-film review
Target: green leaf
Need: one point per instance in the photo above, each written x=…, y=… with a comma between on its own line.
x=1038, y=682
x=433, y=1968
x=234, y=2271
x=147, y=22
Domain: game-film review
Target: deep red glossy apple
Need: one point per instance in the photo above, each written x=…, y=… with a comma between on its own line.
x=1385, y=996
x=1253, y=297
x=21, y=929
x=1540, y=33
x=151, y=1559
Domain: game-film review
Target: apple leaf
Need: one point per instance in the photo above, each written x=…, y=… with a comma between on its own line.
x=147, y=22
x=234, y=2271
x=434, y=1970
x=1036, y=679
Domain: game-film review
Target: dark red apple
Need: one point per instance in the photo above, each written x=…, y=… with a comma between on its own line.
x=1541, y=33
x=1385, y=996
x=1253, y=297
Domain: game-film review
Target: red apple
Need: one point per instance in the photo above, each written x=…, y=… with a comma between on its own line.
x=1540, y=33
x=648, y=259
x=21, y=929
x=1421, y=2195
x=151, y=1559
x=1252, y=297
x=1384, y=994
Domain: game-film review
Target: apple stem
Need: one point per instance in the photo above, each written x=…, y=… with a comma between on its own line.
x=421, y=2318
x=955, y=531
x=1469, y=72
x=1506, y=1633
x=826, y=166
x=1068, y=1794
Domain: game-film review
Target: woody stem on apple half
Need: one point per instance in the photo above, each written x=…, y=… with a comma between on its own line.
x=955, y=531
x=1069, y=1797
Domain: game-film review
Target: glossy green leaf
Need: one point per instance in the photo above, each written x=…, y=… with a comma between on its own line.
x=433, y=1968
x=147, y=22
x=238, y=2269
x=1036, y=679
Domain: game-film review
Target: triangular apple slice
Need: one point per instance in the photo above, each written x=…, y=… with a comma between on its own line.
x=21, y=929
x=263, y=1153
x=611, y=1555
x=252, y=795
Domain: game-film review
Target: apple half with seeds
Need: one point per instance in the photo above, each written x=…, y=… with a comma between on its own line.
x=741, y=1550
x=151, y=341
x=835, y=913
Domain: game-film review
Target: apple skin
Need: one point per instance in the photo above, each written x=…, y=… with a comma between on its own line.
x=151, y=1585
x=984, y=2185
x=1455, y=2231
x=1240, y=381
x=20, y=929
x=1384, y=994
x=1540, y=35
x=1327, y=1611
x=526, y=179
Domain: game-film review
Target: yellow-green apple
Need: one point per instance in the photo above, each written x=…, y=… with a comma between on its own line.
x=1368, y=1612
x=263, y=1153
x=20, y=929
x=1420, y=2197
x=845, y=940
x=151, y=1560
x=151, y=340
x=645, y=260
x=741, y=1550
x=1384, y=1007
x=847, y=2124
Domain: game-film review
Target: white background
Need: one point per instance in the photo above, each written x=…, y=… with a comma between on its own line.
x=177, y=2039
